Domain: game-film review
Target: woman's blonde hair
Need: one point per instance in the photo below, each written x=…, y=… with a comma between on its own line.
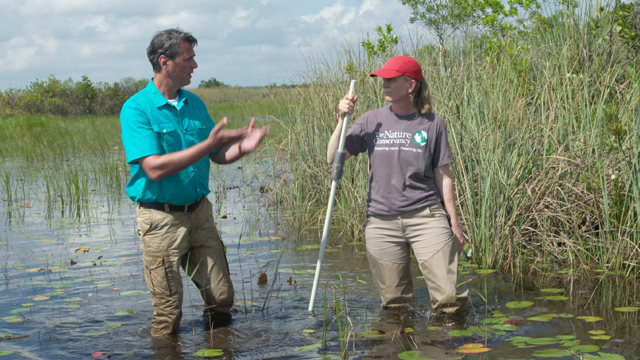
x=421, y=95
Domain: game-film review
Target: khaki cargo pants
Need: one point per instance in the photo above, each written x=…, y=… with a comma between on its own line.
x=190, y=240
x=389, y=241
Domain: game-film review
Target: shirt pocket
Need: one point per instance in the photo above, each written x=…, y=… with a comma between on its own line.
x=168, y=137
x=197, y=130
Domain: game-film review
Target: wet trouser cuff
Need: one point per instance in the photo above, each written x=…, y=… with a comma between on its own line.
x=440, y=273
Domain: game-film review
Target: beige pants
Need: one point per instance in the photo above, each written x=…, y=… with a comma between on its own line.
x=190, y=240
x=426, y=231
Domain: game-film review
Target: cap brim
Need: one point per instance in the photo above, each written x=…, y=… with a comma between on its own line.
x=386, y=73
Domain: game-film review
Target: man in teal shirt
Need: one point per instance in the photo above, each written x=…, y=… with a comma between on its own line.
x=169, y=138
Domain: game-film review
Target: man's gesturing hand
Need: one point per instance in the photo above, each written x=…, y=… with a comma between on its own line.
x=254, y=137
x=219, y=138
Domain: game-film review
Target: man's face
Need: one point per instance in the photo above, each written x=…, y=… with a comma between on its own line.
x=179, y=69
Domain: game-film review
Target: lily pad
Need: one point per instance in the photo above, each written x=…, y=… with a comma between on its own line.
x=542, y=341
x=552, y=291
x=75, y=299
x=601, y=337
x=126, y=312
x=434, y=328
x=485, y=271
x=603, y=356
x=133, y=293
x=112, y=325
x=627, y=309
x=71, y=306
x=460, y=333
x=539, y=318
x=473, y=349
x=411, y=355
x=585, y=348
x=12, y=319
x=27, y=304
x=20, y=310
x=554, y=298
x=372, y=334
x=504, y=327
x=308, y=331
x=597, y=332
x=308, y=347
x=41, y=298
x=309, y=247
x=549, y=353
x=570, y=343
x=565, y=337
x=589, y=318
x=518, y=304
x=208, y=353
x=3, y=353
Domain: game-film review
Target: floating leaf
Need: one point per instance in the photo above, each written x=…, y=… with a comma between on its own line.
x=585, y=348
x=96, y=332
x=372, y=334
x=627, y=309
x=40, y=298
x=75, y=299
x=589, y=318
x=208, y=353
x=542, y=341
x=539, y=318
x=472, y=349
x=27, y=304
x=603, y=356
x=262, y=279
x=20, y=310
x=601, y=337
x=308, y=331
x=434, y=328
x=460, y=333
x=519, y=339
x=565, y=337
x=309, y=247
x=597, y=332
x=504, y=327
x=408, y=329
x=549, y=353
x=570, y=343
x=126, y=312
x=71, y=306
x=12, y=319
x=59, y=291
x=485, y=271
x=5, y=352
x=411, y=355
x=518, y=304
x=307, y=347
x=132, y=293
x=552, y=291
x=34, y=270
x=111, y=325
x=565, y=315
x=554, y=298
x=82, y=250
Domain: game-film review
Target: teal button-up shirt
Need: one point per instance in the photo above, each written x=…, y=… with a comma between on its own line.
x=152, y=126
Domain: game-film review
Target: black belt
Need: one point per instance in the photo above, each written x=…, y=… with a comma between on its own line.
x=170, y=207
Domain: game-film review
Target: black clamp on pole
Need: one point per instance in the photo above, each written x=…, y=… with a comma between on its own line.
x=338, y=165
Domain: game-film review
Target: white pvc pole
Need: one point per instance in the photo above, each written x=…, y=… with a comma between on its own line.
x=332, y=197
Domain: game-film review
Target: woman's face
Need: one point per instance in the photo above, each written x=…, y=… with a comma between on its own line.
x=395, y=89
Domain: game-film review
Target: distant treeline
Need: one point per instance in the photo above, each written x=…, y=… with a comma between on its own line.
x=67, y=97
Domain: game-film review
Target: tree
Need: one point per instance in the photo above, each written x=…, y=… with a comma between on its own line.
x=211, y=83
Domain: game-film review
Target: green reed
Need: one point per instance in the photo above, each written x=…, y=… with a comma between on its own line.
x=545, y=143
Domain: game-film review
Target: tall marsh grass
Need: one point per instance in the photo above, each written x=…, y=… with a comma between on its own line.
x=545, y=133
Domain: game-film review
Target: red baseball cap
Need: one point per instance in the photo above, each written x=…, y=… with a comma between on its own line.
x=400, y=65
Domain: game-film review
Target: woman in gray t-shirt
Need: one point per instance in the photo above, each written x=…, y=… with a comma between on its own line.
x=409, y=179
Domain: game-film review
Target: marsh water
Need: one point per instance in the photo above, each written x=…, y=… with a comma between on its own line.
x=74, y=287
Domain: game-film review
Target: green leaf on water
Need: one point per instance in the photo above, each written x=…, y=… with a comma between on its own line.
x=589, y=318
x=552, y=291
x=460, y=333
x=542, y=341
x=585, y=348
x=88, y=280
x=495, y=320
x=372, y=334
x=308, y=347
x=96, y=332
x=519, y=339
x=126, y=312
x=208, y=353
x=597, y=332
x=411, y=355
x=71, y=306
x=132, y=293
x=518, y=304
x=309, y=247
x=331, y=250
x=5, y=352
x=20, y=310
x=111, y=325
x=554, y=298
x=601, y=337
x=627, y=309
x=75, y=299
x=565, y=337
x=549, y=353
x=565, y=315
x=539, y=318
x=59, y=291
x=570, y=343
x=485, y=271
x=308, y=331
x=504, y=327
x=434, y=328
x=27, y=304
x=12, y=319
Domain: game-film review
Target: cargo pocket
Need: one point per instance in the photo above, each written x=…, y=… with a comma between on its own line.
x=158, y=272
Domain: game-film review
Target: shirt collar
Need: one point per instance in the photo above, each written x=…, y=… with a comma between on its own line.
x=159, y=99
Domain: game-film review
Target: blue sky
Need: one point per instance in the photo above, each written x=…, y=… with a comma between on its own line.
x=241, y=42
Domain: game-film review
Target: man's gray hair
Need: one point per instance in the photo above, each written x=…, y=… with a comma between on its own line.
x=167, y=43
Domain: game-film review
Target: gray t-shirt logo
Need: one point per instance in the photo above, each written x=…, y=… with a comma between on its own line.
x=420, y=138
